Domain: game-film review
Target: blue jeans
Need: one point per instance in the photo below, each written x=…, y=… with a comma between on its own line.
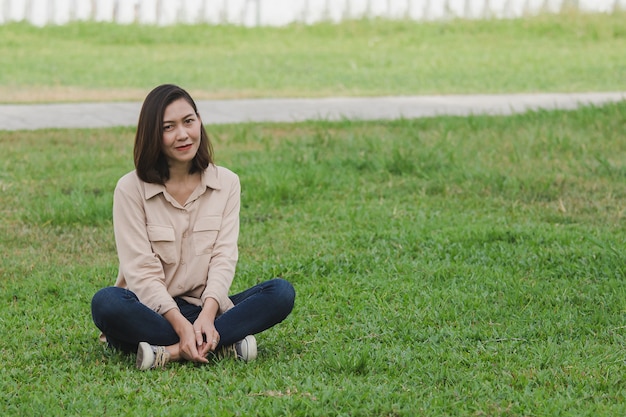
x=125, y=321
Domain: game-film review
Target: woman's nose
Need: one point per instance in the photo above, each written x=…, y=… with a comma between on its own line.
x=181, y=132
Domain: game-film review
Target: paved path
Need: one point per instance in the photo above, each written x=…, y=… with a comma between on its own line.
x=87, y=115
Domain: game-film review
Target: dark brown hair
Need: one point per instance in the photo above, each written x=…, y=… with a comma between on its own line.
x=150, y=162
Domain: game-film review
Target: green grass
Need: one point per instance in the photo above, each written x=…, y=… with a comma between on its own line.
x=446, y=266
x=89, y=61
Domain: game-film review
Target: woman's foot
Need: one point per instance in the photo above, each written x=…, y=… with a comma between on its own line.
x=244, y=349
x=151, y=357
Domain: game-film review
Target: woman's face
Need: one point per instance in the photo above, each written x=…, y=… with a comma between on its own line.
x=181, y=133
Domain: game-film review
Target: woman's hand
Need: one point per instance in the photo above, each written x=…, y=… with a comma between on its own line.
x=189, y=349
x=207, y=336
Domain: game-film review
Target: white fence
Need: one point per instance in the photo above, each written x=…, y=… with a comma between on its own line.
x=280, y=12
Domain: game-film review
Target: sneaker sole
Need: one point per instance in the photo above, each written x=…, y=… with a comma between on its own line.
x=251, y=348
x=145, y=356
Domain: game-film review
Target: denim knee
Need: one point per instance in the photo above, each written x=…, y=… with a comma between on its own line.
x=104, y=296
x=285, y=294
x=106, y=302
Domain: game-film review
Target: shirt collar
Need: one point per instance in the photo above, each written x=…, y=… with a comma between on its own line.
x=209, y=179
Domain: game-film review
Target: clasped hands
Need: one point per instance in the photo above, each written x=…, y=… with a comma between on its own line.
x=198, y=339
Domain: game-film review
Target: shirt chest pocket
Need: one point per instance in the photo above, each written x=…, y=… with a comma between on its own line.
x=163, y=242
x=205, y=233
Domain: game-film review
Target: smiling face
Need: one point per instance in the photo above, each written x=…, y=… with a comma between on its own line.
x=181, y=133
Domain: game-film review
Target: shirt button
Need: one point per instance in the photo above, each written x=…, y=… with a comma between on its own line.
x=185, y=234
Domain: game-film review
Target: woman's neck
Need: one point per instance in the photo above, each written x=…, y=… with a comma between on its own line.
x=179, y=173
x=181, y=183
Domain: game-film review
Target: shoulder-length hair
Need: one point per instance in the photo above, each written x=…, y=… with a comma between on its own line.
x=150, y=161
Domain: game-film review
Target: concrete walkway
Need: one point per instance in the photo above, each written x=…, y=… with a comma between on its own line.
x=94, y=115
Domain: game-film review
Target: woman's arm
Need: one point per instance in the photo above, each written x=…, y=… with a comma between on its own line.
x=225, y=251
x=141, y=268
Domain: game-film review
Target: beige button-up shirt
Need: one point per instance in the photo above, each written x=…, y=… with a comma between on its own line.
x=167, y=250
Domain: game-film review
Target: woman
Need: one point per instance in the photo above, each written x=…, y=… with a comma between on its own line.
x=176, y=224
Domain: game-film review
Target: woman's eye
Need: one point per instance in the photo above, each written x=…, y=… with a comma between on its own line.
x=167, y=127
x=189, y=121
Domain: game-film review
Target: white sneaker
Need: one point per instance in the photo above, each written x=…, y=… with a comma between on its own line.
x=244, y=349
x=151, y=357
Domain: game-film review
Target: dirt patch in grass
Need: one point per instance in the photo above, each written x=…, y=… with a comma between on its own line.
x=64, y=94
x=77, y=94
x=67, y=94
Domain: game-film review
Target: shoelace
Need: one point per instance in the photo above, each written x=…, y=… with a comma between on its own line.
x=161, y=357
x=227, y=352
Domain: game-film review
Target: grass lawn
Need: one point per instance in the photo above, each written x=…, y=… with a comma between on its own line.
x=99, y=62
x=446, y=266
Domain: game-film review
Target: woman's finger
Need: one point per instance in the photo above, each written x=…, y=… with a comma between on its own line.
x=199, y=339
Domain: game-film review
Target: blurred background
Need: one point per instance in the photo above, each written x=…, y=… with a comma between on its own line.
x=281, y=12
